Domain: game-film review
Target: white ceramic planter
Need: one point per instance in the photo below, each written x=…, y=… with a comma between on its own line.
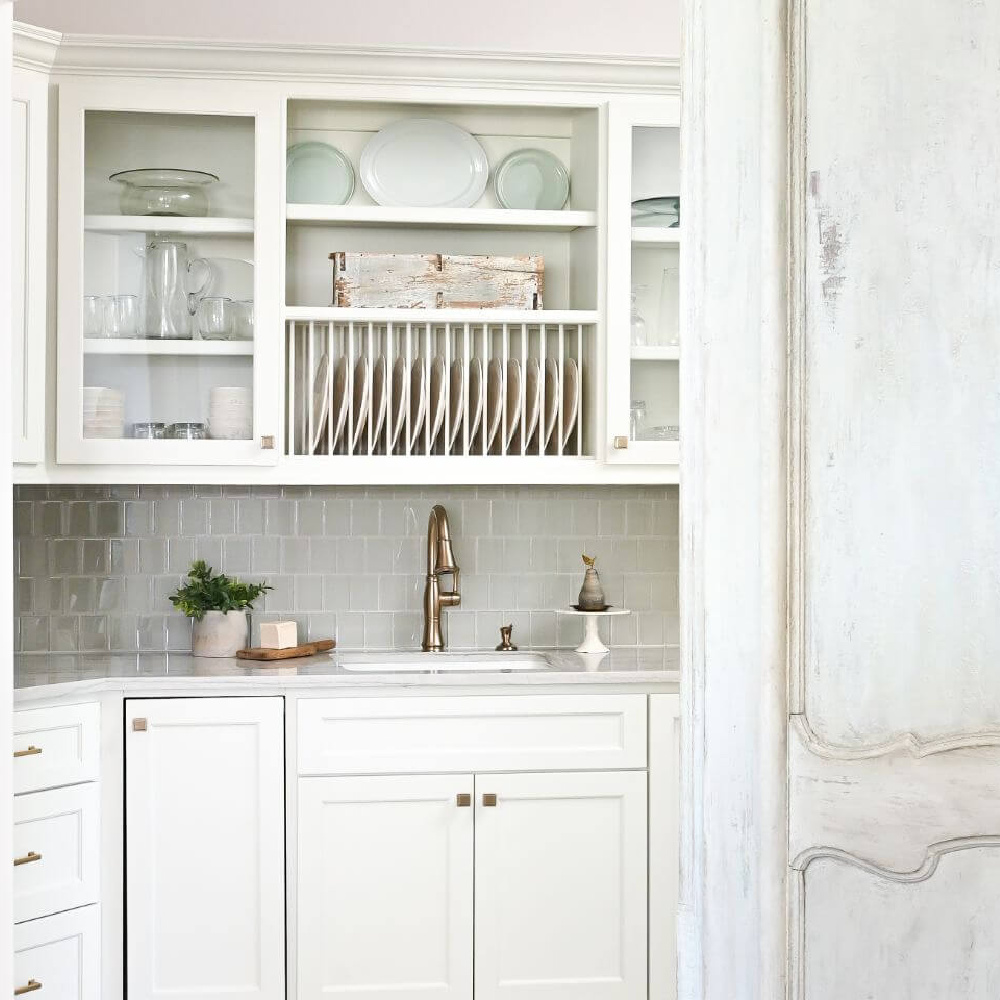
x=220, y=633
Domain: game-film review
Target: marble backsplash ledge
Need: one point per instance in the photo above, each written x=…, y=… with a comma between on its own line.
x=95, y=565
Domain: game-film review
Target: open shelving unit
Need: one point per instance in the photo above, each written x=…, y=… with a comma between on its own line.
x=564, y=221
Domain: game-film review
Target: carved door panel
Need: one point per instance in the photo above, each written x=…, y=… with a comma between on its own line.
x=894, y=734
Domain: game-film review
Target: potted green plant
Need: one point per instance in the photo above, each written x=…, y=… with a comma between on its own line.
x=220, y=607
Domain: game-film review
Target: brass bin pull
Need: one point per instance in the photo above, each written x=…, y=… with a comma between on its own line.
x=27, y=859
x=30, y=987
x=489, y=799
x=463, y=799
x=27, y=752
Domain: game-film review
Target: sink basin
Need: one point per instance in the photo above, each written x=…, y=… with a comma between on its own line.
x=399, y=662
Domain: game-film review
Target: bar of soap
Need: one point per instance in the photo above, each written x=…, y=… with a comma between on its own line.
x=279, y=635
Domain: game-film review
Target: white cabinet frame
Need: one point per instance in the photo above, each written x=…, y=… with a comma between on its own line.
x=266, y=106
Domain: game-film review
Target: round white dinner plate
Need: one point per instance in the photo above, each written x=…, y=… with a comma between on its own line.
x=513, y=390
x=435, y=415
x=317, y=174
x=398, y=403
x=456, y=402
x=475, y=399
x=532, y=399
x=380, y=400
x=359, y=406
x=533, y=179
x=494, y=404
x=551, y=401
x=338, y=414
x=424, y=163
x=320, y=401
x=418, y=401
x=571, y=395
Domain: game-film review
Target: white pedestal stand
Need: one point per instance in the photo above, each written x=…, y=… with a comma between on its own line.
x=591, y=636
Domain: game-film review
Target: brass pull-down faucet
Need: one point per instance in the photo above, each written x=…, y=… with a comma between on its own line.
x=440, y=559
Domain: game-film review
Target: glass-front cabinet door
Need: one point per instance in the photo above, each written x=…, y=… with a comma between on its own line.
x=169, y=264
x=643, y=303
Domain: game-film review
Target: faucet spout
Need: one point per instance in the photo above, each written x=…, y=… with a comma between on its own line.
x=440, y=559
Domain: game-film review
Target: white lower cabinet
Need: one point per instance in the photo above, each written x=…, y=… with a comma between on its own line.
x=501, y=885
x=59, y=957
x=561, y=886
x=385, y=887
x=205, y=859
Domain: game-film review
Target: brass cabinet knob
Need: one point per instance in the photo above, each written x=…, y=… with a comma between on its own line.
x=27, y=859
x=29, y=987
x=267, y=442
x=27, y=752
x=621, y=442
x=463, y=799
x=489, y=799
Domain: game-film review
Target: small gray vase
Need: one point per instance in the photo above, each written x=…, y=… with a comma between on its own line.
x=591, y=593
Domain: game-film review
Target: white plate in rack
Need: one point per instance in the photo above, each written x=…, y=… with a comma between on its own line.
x=338, y=415
x=397, y=417
x=512, y=388
x=380, y=399
x=532, y=400
x=475, y=398
x=435, y=414
x=456, y=402
x=494, y=403
x=320, y=401
x=424, y=163
x=571, y=397
x=360, y=401
x=551, y=401
x=418, y=401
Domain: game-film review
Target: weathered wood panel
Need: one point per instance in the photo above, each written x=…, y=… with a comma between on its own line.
x=901, y=417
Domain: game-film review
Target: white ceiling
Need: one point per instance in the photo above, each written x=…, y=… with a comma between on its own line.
x=629, y=27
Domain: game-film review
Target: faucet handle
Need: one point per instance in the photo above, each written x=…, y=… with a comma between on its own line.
x=506, y=646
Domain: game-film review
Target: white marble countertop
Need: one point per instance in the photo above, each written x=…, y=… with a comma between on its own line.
x=42, y=676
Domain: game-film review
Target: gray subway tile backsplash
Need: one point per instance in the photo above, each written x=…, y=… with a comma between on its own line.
x=96, y=564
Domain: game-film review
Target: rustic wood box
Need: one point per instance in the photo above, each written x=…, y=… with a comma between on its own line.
x=437, y=281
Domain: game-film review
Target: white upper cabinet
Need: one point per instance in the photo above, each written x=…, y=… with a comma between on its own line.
x=643, y=315
x=168, y=295
x=29, y=234
x=205, y=859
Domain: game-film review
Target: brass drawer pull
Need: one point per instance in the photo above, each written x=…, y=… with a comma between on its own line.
x=30, y=987
x=27, y=752
x=463, y=799
x=138, y=725
x=27, y=859
x=489, y=799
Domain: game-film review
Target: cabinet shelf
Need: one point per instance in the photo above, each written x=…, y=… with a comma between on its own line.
x=207, y=226
x=179, y=348
x=325, y=314
x=671, y=352
x=656, y=236
x=470, y=218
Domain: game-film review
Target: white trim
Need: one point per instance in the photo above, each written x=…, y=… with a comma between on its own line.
x=128, y=55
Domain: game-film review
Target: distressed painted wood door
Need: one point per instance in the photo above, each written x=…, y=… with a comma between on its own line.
x=894, y=730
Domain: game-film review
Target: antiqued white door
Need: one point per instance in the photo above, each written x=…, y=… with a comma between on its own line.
x=842, y=501
x=561, y=886
x=205, y=857
x=385, y=887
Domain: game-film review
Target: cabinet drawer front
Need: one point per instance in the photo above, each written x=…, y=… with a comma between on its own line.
x=402, y=735
x=59, y=958
x=56, y=746
x=56, y=851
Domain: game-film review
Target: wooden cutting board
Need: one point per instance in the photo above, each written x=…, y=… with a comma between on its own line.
x=291, y=653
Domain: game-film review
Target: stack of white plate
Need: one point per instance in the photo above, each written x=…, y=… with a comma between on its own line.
x=103, y=412
x=230, y=413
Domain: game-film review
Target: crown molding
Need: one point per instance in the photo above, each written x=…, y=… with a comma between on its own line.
x=35, y=48
x=139, y=56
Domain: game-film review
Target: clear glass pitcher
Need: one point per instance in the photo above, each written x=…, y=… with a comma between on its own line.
x=168, y=306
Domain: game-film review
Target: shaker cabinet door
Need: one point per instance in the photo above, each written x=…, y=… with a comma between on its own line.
x=561, y=886
x=205, y=852
x=385, y=888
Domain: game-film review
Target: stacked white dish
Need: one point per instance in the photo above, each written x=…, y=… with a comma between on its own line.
x=230, y=413
x=103, y=412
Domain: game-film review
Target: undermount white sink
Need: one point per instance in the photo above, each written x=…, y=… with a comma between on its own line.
x=398, y=662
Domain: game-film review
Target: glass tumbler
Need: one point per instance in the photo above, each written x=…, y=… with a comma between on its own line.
x=93, y=316
x=215, y=318
x=243, y=319
x=121, y=316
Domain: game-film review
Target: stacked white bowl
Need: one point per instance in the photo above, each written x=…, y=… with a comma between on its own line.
x=230, y=413
x=103, y=412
